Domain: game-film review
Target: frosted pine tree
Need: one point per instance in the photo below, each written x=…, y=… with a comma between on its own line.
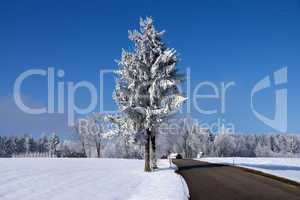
x=147, y=89
x=53, y=142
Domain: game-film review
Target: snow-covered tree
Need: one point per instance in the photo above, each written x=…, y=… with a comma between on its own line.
x=92, y=130
x=293, y=144
x=10, y=145
x=53, y=142
x=124, y=130
x=96, y=129
x=263, y=151
x=43, y=144
x=81, y=134
x=147, y=89
x=20, y=145
x=225, y=145
x=187, y=130
x=69, y=148
x=30, y=144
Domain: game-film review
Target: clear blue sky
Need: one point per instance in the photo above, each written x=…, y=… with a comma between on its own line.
x=218, y=40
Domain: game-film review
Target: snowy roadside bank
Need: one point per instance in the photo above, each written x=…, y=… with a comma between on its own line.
x=283, y=167
x=60, y=179
x=163, y=184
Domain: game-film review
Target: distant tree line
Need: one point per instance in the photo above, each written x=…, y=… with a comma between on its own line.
x=185, y=137
x=27, y=145
x=234, y=145
x=189, y=139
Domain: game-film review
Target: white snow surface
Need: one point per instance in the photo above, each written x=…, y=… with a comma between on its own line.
x=88, y=179
x=283, y=167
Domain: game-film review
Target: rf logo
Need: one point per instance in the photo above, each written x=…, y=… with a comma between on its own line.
x=279, y=122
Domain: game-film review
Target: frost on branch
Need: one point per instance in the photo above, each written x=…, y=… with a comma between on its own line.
x=147, y=86
x=125, y=127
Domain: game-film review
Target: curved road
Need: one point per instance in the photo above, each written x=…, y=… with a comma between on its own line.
x=207, y=181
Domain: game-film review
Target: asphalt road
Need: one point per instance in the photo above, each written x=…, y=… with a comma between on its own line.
x=207, y=181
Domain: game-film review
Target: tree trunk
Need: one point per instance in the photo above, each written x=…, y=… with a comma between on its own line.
x=126, y=147
x=98, y=147
x=147, y=152
x=83, y=149
x=185, y=147
x=153, y=151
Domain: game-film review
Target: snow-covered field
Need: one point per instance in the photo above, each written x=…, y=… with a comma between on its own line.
x=103, y=179
x=283, y=167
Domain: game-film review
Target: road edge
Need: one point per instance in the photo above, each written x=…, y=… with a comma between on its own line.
x=257, y=172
